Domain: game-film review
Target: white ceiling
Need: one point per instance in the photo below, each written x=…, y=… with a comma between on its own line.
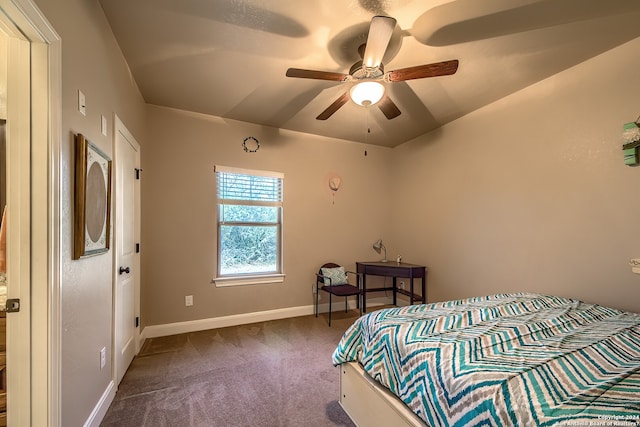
x=228, y=58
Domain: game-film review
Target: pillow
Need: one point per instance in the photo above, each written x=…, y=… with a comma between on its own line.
x=337, y=275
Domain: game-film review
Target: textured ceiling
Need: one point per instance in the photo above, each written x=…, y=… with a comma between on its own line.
x=228, y=58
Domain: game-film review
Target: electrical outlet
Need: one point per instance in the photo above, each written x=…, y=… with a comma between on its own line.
x=401, y=285
x=313, y=288
x=103, y=357
x=188, y=300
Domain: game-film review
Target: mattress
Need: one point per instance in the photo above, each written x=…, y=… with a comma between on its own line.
x=507, y=359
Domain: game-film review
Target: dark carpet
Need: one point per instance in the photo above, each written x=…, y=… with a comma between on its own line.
x=275, y=373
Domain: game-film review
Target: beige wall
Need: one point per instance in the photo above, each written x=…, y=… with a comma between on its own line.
x=92, y=62
x=530, y=193
x=179, y=212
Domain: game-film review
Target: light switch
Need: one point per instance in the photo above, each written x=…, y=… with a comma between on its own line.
x=82, y=105
x=635, y=265
x=103, y=125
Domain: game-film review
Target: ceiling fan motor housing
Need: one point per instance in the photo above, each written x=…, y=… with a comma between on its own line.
x=358, y=71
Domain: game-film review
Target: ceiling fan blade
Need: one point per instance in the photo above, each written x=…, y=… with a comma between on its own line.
x=388, y=108
x=380, y=32
x=421, y=71
x=315, y=74
x=334, y=107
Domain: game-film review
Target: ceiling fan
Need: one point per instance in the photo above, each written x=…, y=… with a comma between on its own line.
x=369, y=73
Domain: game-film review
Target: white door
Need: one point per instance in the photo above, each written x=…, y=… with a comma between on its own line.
x=18, y=226
x=127, y=256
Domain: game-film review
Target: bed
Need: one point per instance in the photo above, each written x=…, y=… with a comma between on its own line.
x=506, y=360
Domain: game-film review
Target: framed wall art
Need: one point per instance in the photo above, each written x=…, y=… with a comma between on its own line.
x=92, y=204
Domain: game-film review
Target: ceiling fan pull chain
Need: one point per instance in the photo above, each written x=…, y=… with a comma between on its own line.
x=366, y=123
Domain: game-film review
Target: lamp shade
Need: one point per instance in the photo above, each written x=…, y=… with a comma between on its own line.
x=367, y=93
x=631, y=132
x=631, y=142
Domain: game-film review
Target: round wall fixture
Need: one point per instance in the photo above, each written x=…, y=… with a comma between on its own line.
x=334, y=183
x=250, y=144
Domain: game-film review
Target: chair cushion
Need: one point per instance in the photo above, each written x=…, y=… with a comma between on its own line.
x=337, y=275
x=342, y=290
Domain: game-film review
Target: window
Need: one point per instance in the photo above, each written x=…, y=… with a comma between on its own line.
x=249, y=224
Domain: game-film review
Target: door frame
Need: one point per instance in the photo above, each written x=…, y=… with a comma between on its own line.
x=39, y=219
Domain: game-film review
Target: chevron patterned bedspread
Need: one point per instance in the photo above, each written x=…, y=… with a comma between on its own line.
x=504, y=360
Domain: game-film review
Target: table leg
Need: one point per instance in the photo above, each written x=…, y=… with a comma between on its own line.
x=411, y=287
x=364, y=292
x=394, y=290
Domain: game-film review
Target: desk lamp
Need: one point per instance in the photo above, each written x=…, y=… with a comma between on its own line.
x=379, y=246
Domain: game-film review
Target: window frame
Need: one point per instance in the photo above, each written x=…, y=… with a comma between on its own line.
x=235, y=279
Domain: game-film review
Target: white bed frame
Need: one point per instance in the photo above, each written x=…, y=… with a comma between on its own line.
x=368, y=403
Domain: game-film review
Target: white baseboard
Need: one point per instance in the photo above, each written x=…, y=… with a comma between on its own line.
x=100, y=410
x=223, y=322
x=246, y=318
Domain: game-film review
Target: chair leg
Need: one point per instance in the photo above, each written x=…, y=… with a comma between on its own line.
x=329, y=308
x=316, y=300
x=346, y=300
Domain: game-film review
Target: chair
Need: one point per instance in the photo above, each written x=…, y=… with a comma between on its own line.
x=332, y=278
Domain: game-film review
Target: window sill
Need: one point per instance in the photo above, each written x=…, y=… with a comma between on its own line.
x=222, y=282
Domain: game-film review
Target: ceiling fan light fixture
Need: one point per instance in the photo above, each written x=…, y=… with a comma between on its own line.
x=367, y=93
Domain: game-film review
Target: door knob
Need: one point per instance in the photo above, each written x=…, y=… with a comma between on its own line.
x=124, y=270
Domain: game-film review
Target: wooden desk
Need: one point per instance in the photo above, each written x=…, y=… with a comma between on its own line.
x=394, y=270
